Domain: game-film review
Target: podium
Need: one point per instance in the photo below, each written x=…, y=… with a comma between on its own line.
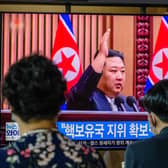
x=104, y=129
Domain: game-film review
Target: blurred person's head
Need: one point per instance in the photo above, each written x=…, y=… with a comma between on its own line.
x=156, y=103
x=34, y=88
x=113, y=75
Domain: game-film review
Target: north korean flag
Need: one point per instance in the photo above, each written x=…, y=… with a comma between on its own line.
x=159, y=62
x=65, y=52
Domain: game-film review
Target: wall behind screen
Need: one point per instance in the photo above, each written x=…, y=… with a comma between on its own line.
x=23, y=34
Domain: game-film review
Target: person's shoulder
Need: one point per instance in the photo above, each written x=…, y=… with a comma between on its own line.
x=148, y=149
x=141, y=144
x=137, y=149
x=6, y=153
x=79, y=153
x=3, y=154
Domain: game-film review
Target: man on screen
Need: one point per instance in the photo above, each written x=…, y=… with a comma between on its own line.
x=101, y=83
x=152, y=152
x=98, y=88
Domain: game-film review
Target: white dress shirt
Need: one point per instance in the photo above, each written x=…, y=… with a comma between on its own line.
x=112, y=104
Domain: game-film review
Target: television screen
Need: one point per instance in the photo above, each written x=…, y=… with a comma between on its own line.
x=133, y=35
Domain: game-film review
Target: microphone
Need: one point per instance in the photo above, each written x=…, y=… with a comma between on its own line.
x=120, y=103
x=131, y=101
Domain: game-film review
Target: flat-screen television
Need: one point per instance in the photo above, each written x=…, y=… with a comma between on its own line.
x=134, y=35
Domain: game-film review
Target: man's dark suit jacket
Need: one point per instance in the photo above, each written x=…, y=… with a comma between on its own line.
x=85, y=95
x=149, y=153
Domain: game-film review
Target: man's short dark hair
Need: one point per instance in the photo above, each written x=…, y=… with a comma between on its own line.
x=113, y=53
x=156, y=100
x=34, y=87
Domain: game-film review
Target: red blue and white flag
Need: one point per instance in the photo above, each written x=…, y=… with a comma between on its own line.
x=159, y=62
x=65, y=52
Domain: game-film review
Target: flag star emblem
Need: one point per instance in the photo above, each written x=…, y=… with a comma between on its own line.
x=66, y=62
x=160, y=64
x=163, y=65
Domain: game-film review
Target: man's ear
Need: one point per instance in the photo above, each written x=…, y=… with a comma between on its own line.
x=152, y=119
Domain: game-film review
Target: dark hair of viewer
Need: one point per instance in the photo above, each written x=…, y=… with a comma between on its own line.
x=156, y=100
x=34, y=87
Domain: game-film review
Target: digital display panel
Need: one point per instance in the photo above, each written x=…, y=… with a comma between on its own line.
x=105, y=130
x=134, y=35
